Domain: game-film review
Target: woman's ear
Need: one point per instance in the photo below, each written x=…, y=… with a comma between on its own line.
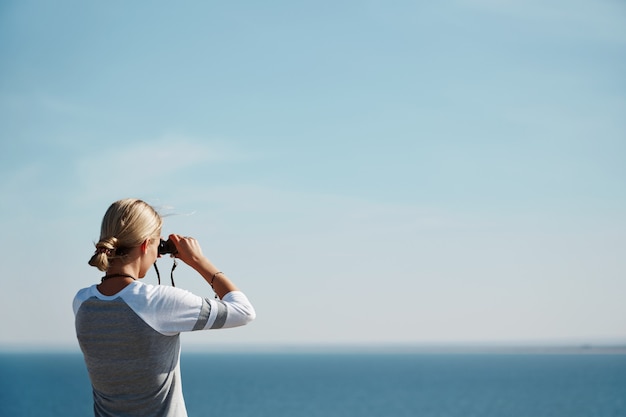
x=145, y=245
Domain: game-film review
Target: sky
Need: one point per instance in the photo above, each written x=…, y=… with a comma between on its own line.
x=367, y=172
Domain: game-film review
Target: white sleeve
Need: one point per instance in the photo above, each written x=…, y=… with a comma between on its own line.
x=171, y=310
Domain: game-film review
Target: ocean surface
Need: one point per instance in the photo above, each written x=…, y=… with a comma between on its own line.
x=344, y=385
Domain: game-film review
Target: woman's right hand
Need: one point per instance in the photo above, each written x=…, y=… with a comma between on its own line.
x=188, y=249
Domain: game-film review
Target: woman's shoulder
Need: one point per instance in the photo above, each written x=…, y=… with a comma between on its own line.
x=81, y=296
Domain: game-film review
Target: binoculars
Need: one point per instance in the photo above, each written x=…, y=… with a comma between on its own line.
x=167, y=246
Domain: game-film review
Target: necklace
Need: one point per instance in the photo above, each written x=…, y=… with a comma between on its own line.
x=117, y=276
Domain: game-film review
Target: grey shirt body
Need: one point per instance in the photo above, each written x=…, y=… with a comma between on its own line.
x=131, y=344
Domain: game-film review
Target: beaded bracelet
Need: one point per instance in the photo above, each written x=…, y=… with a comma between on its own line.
x=212, y=279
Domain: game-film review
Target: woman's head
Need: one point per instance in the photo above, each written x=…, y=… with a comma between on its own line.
x=126, y=224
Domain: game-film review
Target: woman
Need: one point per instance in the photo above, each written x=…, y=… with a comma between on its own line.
x=129, y=331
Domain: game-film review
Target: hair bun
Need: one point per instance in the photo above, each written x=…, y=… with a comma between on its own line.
x=105, y=248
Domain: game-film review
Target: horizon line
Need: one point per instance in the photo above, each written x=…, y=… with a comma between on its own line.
x=609, y=347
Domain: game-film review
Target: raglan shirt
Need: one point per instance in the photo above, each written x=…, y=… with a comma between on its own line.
x=131, y=345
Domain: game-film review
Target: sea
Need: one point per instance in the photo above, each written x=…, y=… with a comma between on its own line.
x=344, y=385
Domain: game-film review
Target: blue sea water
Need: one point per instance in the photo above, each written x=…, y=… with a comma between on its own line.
x=350, y=385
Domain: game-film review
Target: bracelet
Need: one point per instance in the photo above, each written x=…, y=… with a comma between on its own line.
x=211, y=283
x=213, y=278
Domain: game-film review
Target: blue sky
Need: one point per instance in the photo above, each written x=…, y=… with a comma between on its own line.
x=368, y=172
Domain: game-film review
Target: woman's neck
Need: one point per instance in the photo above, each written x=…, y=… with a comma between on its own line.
x=115, y=280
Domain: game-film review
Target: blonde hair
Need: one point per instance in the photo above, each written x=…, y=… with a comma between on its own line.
x=126, y=224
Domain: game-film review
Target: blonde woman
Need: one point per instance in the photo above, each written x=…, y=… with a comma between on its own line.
x=129, y=331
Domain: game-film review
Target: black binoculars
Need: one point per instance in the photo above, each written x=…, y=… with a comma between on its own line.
x=167, y=246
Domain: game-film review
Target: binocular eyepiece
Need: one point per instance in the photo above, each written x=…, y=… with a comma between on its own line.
x=167, y=246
